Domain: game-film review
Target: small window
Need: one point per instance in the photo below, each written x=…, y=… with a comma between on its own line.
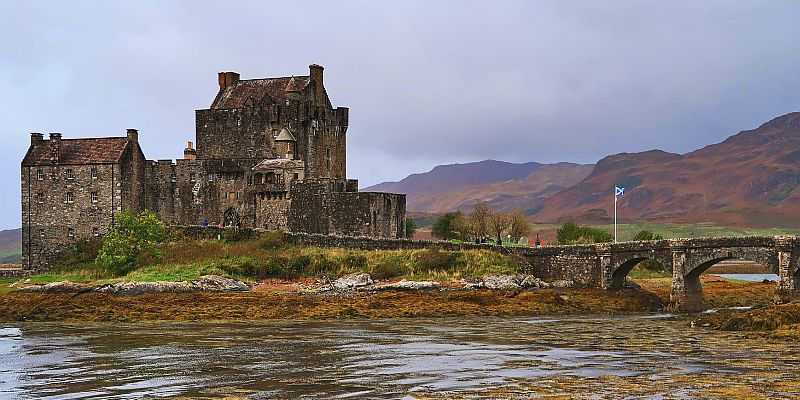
x=237, y=195
x=41, y=233
x=226, y=195
x=40, y=174
x=94, y=173
x=40, y=198
x=95, y=232
x=210, y=177
x=70, y=198
x=296, y=176
x=274, y=133
x=174, y=178
x=70, y=233
x=94, y=197
x=70, y=174
x=192, y=178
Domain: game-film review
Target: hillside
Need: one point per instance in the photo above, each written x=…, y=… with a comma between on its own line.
x=750, y=179
x=504, y=185
x=11, y=246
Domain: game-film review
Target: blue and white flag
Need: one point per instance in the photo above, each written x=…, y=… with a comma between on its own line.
x=619, y=191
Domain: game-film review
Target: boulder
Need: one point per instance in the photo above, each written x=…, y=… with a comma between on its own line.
x=532, y=282
x=501, y=282
x=55, y=287
x=216, y=283
x=409, y=285
x=563, y=284
x=206, y=283
x=353, y=281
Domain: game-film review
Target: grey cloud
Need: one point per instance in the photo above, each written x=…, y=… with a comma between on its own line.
x=427, y=82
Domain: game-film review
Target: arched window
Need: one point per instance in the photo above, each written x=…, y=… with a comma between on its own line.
x=270, y=177
x=258, y=178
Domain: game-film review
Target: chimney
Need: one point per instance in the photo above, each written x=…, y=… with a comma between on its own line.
x=55, y=146
x=189, y=153
x=36, y=138
x=133, y=135
x=227, y=79
x=315, y=71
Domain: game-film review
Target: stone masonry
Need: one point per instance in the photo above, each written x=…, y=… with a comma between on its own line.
x=271, y=154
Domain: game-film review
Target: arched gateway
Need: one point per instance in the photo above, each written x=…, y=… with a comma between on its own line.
x=606, y=265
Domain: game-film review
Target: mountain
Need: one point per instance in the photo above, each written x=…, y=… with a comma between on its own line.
x=11, y=246
x=750, y=179
x=504, y=185
x=447, y=177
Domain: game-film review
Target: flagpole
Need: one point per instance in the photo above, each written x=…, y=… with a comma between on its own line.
x=615, y=214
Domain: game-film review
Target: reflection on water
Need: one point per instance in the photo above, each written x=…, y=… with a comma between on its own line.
x=750, y=277
x=378, y=359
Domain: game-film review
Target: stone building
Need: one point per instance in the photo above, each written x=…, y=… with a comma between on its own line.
x=271, y=153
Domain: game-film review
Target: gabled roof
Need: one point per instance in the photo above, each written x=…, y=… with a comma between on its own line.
x=78, y=151
x=285, y=136
x=272, y=89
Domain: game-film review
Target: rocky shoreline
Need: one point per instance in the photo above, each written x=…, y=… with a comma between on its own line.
x=349, y=283
x=206, y=283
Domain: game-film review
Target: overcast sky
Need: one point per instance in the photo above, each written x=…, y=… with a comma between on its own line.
x=427, y=82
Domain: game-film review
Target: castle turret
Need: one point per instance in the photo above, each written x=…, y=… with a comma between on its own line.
x=285, y=144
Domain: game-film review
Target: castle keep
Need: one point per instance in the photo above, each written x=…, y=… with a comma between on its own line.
x=271, y=153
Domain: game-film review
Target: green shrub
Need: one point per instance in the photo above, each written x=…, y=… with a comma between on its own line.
x=135, y=237
x=571, y=233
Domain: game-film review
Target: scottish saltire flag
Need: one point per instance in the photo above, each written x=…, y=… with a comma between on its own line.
x=619, y=191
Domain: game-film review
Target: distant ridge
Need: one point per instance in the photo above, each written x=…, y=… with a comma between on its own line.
x=503, y=184
x=749, y=179
x=11, y=246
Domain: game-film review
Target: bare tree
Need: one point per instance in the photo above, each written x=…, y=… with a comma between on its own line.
x=462, y=226
x=499, y=222
x=479, y=219
x=519, y=224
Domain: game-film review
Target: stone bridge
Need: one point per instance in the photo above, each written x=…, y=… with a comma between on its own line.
x=605, y=265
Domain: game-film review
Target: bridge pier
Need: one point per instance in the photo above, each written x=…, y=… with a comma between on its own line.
x=606, y=271
x=687, y=292
x=788, y=278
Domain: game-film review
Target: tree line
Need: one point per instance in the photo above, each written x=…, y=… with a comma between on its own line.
x=481, y=224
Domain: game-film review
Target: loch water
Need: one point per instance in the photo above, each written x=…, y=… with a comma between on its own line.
x=646, y=356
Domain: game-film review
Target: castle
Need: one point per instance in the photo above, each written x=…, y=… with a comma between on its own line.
x=271, y=153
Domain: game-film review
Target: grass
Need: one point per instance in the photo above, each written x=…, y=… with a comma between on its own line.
x=627, y=231
x=272, y=256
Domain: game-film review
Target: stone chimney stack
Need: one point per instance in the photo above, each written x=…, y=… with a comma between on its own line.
x=315, y=71
x=55, y=146
x=227, y=79
x=36, y=138
x=189, y=153
x=133, y=135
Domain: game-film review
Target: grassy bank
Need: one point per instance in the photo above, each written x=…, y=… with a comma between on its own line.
x=258, y=305
x=271, y=256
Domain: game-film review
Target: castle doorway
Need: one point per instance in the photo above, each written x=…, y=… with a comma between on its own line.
x=231, y=218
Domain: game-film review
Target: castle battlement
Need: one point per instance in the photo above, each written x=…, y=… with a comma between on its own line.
x=270, y=154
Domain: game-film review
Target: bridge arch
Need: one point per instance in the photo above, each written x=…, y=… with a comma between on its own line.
x=623, y=264
x=766, y=257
